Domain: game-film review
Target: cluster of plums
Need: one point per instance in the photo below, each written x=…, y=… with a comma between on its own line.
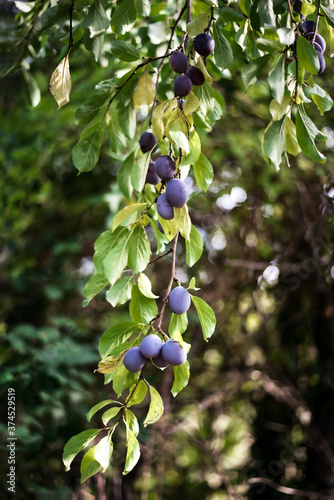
x=307, y=29
x=163, y=169
x=162, y=353
x=190, y=75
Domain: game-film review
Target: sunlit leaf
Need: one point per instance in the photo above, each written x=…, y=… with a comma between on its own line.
x=60, y=82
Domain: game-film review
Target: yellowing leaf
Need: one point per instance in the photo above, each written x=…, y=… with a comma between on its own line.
x=60, y=82
x=144, y=92
x=291, y=142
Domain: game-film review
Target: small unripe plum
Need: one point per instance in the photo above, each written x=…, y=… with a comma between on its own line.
x=306, y=26
x=151, y=176
x=178, y=62
x=161, y=229
x=322, y=63
x=160, y=362
x=165, y=167
x=182, y=86
x=164, y=208
x=204, y=44
x=150, y=346
x=173, y=353
x=179, y=300
x=195, y=75
x=176, y=192
x=318, y=39
x=134, y=361
x=147, y=141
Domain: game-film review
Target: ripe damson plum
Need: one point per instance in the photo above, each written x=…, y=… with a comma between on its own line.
x=160, y=362
x=318, y=39
x=317, y=47
x=161, y=229
x=195, y=75
x=150, y=346
x=178, y=62
x=204, y=44
x=165, y=167
x=179, y=300
x=134, y=361
x=151, y=176
x=297, y=6
x=182, y=86
x=306, y=26
x=147, y=141
x=164, y=208
x=173, y=353
x=322, y=63
x=176, y=192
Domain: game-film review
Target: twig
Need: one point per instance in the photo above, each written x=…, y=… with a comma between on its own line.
x=162, y=310
x=290, y=491
x=71, y=41
x=160, y=256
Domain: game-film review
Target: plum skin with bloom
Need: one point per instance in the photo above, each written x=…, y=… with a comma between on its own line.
x=173, y=353
x=176, y=193
x=195, y=75
x=147, y=141
x=150, y=346
x=164, y=208
x=204, y=44
x=178, y=62
x=165, y=167
x=133, y=360
x=179, y=300
x=151, y=176
x=182, y=86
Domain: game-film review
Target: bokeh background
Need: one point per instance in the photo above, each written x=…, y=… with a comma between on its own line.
x=260, y=401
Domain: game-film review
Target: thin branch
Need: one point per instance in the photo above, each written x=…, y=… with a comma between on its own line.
x=161, y=256
x=162, y=310
x=173, y=28
x=290, y=491
x=71, y=41
x=316, y=22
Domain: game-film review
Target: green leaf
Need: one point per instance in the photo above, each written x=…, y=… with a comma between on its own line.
x=123, y=379
x=105, y=243
x=76, y=444
x=179, y=136
x=194, y=247
x=223, y=51
x=206, y=316
x=124, y=51
x=273, y=143
x=321, y=98
x=328, y=14
x=33, y=90
x=156, y=408
x=86, y=152
x=307, y=55
x=115, y=336
x=60, y=82
x=145, y=286
x=91, y=107
x=182, y=221
x=181, y=378
x=125, y=213
x=139, y=171
x=142, y=309
x=195, y=149
x=291, y=142
x=266, y=12
x=127, y=119
x=139, y=394
x=116, y=260
x=286, y=36
x=307, y=133
x=228, y=14
x=103, y=451
x=203, y=172
x=191, y=103
x=144, y=92
x=124, y=176
x=111, y=364
x=276, y=79
x=89, y=466
x=169, y=226
x=139, y=250
x=120, y=292
x=98, y=407
x=96, y=21
x=133, y=451
x=143, y=7
x=205, y=95
x=109, y=414
x=124, y=17
x=178, y=323
x=250, y=72
x=132, y=422
x=198, y=24
x=94, y=286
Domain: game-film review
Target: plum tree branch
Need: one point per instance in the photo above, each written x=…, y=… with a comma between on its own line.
x=290, y=491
